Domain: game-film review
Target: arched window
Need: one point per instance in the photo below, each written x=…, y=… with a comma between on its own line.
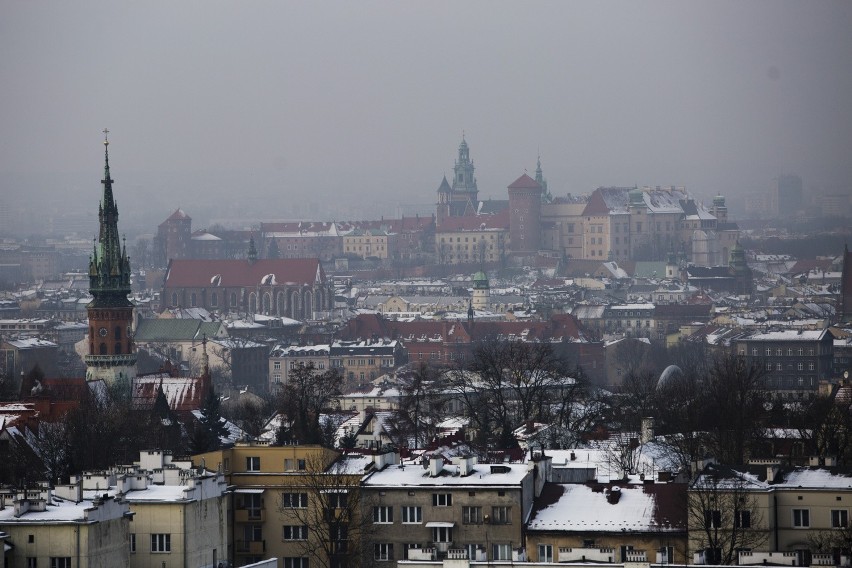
x=192, y=300
x=118, y=333
x=214, y=300
x=233, y=299
x=118, y=348
x=103, y=349
x=174, y=298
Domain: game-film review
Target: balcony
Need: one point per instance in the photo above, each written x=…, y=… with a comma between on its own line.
x=421, y=554
x=249, y=515
x=442, y=547
x=775, y=558
x=251, y=546
x=586, y=554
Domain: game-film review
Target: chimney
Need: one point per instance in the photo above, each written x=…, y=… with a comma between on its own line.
x=436, y=464
x=771, y=472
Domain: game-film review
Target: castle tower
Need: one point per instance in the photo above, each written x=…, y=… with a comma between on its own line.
x=465, y=194
x=444, y=196
x=111, y=355
x=525, y=216
x=481, y=291
x=720, y=211
x=539, y=178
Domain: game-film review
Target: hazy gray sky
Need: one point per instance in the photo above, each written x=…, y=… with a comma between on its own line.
x=339, y=99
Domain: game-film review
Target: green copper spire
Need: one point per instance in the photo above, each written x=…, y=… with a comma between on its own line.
x=109, y=266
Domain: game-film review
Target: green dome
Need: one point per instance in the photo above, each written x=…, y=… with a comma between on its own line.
x=719, y=201
x=480, y=280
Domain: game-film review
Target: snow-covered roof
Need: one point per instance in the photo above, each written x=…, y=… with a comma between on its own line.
x=587, y=508
x=414, y=474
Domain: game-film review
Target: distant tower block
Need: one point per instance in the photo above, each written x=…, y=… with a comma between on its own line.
x=481, y=291
x=111, y=355
x=525, y=216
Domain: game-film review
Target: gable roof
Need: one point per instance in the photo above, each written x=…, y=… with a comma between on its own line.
x=184, y=394
x=199, y=273
x=496, y=221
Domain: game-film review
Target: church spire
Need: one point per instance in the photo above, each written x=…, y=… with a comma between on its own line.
x=109, y=268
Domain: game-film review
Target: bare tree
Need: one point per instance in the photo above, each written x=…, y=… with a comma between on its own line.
x=724, y=515
x=307, y=393
x=507, y=383
x=421, y=406
x=328, y=514
x=734, y=398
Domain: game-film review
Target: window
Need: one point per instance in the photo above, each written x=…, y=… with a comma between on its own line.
x=472, y=515
x=442, y=534
x=276, y=365
x=60, y=562
x=294, y=500
x=32, y=562
x=801, y=518
x=253, y=463
x=501, y=552
x=295, y=532
x=712, y=519
x=501, y=515
x=545, y=553
x=383, y=551
x=810, y=366
x=801, y=366
x=337, y=500
x=161, y=543
x=742, y=520
x=132, y=542
x=382, y=514
x=768, y=351
x=295, y=562
x=442, y=499
x=412, y=515
x=839, y=518
x=253, y=503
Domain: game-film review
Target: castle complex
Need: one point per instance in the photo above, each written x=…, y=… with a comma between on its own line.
x=610, y=224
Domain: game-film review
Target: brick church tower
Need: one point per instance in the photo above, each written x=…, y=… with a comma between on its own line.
x=111, y=356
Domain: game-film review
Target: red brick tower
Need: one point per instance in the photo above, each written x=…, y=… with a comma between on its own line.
x=524, y=216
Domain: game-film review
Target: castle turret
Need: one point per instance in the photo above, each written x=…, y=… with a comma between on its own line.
x=525, y=216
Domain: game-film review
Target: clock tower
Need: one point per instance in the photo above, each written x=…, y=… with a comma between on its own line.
x=111, y=356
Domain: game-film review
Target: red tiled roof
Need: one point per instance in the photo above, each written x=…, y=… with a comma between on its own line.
x=560, y=326
x=499, y=220
x=197, y=273
x=808, y=264
x=525, y=182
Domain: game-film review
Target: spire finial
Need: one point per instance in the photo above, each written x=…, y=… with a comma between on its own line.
x=106, y=137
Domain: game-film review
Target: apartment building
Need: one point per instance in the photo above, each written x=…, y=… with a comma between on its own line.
x=434, y=510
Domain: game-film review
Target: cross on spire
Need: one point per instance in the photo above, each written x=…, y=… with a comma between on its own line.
x=106, y=137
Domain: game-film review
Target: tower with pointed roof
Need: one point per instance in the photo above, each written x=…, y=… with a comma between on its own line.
x=546, y=197
x=111, y=352
x=462, y=197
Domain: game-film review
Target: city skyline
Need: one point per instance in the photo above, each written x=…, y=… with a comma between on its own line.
x=277, y=103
